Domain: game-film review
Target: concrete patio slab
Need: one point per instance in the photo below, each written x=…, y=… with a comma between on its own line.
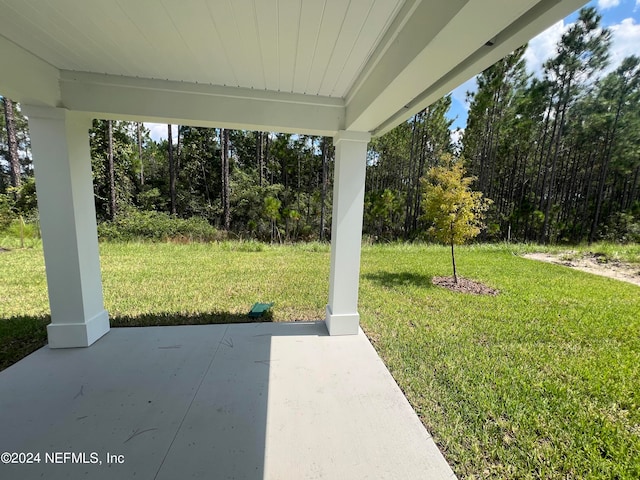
x=250, y=401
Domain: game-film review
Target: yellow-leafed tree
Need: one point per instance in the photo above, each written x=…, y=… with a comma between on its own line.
x=452, y=210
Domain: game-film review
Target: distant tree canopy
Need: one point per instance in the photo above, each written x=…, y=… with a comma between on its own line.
x=558, y=155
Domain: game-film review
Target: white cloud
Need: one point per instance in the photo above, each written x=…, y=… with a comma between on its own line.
x=460, y=93
x=160, y=132
x=543, y=47
x=626, y=41
x=604, y=4
x=456, y=136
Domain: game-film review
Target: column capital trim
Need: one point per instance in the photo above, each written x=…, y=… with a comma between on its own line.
x=351, y=136
x=55, y=113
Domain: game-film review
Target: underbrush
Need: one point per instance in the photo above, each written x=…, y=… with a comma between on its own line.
x=137, y=225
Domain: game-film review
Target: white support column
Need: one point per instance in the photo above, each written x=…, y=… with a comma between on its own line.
x=62, y=163
x=342, y=316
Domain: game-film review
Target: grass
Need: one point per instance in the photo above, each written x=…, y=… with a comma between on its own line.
x=542, y=381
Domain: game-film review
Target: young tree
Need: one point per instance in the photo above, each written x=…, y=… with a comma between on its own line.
x=454, y=211
x=271, y=210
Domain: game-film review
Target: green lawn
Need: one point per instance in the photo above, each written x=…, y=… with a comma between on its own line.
x=541, y=381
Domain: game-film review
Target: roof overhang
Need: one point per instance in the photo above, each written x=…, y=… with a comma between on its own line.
x=426, y=50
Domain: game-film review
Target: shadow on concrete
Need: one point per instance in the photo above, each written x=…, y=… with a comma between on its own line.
x=23, y=335
x=164, y=319
x=173, y=402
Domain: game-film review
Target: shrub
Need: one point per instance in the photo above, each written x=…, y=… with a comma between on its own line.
x=158, y=226
x=6, y=212
x=623, y=227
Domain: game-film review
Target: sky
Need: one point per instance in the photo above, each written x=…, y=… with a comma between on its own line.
x=622, y=17
x=159, y=131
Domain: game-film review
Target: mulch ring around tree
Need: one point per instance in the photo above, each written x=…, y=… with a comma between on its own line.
x=464, y=285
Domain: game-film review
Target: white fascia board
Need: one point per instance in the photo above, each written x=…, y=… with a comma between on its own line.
x=453, y=56
x=164, y=101
x=543, y=15
x=419, y=23
x=26, y=78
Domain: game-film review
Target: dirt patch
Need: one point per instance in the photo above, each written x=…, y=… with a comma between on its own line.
x=464, y=285
x=3, y=250
x=592, y=263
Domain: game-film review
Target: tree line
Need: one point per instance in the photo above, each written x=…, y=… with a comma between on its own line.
x=262, y=185
x=559, y=156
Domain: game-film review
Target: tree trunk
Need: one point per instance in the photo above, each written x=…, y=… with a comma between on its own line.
x=111, y=172
x=453, y=258
x=260, y=156
x=172, y=171
x=554, y=146
x=224, y=153
x=603, y=173
x=139, y=133
x=323, y=190
x=12, y=144
x=408, y=215
x=265, y=162
x=178, y=150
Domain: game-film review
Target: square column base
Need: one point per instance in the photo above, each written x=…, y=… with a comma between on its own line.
x=346, y=324
x=72, y=335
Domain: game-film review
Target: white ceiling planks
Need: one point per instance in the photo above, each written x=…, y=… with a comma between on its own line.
x=49, y=44
x=266, y=25
x=312, y=16
x=199, y=42
x=290, y=65
x=309, y=46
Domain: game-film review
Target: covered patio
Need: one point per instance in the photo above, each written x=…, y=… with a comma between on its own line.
x=263, y=400
x=248, y=401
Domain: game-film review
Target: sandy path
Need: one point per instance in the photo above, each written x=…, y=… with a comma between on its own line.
x=620, y=271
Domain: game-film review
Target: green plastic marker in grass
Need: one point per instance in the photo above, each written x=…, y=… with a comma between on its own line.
x=259, y=309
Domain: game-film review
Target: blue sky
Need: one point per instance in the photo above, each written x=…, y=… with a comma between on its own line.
x=621, y=16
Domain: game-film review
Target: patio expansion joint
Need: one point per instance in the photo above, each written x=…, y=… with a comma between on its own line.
x=195, y=394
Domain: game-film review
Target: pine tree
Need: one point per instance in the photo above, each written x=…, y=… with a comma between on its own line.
x=172, y=171
x=111, y=172
x=224, y=154
x=582, y=52
x=15, y=173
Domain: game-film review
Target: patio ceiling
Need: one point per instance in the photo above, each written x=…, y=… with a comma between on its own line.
x=307, y=66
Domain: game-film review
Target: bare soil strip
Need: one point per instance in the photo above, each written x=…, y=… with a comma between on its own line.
x=590, y=263
x=464, y=285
